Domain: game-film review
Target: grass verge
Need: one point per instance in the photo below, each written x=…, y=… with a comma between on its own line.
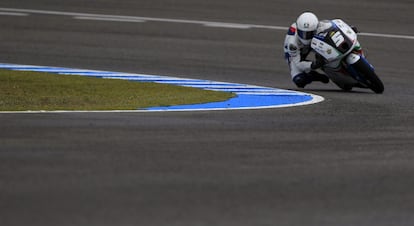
x=25, y=90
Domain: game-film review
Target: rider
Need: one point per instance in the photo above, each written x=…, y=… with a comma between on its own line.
x=297, y=48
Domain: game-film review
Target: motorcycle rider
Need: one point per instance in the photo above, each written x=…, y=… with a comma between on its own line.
x=297, y=48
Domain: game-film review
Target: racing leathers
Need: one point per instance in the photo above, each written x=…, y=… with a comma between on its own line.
x=301, y=70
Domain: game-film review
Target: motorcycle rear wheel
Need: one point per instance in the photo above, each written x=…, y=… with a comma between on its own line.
x=372, y=80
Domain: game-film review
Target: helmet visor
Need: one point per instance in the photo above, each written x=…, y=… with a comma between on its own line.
x=306, y=35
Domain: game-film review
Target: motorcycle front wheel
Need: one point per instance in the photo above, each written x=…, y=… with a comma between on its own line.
x=372, y=80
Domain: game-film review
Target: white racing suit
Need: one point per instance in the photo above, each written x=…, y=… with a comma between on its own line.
x=295, y=55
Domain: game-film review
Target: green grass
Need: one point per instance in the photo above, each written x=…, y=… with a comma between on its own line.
x=23, y=91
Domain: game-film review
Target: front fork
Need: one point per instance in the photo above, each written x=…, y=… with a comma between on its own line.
x=346, y=65
x=351, y=59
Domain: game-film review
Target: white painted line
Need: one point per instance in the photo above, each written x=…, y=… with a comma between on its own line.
x=315, y=99
x=386, y=35
x=169, y=20
x=109, y=19
x=228, y=25
x=48, y=12
x=13, y=14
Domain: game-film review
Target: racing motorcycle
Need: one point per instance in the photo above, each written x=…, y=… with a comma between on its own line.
x=335, y=43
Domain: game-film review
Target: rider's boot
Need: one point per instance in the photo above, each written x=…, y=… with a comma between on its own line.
x=303, y=79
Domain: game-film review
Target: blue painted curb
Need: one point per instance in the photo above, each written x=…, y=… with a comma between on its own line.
x=242, y=102
x=247, y=96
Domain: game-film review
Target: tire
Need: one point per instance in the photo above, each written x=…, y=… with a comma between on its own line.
x=346, y=88
x=372, y=80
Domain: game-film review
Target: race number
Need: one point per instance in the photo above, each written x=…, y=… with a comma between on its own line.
x=338, y=39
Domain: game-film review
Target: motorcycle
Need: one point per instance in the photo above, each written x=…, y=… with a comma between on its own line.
x=335, y=42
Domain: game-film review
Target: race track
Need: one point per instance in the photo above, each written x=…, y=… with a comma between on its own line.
x=345, y=161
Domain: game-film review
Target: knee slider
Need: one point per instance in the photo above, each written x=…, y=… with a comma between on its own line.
x=301, y=80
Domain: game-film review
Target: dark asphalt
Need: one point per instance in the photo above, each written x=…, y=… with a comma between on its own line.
x=345, y=161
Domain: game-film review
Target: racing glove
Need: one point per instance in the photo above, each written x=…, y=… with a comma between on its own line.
x=319, y=62
x=355, y=29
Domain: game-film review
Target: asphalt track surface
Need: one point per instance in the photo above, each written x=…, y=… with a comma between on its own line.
x=345, y=161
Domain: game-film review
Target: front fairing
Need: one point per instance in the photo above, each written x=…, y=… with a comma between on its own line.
x=334, y=40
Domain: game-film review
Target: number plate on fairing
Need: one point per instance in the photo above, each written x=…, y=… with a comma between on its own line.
x=327, y=51
x=337, y=38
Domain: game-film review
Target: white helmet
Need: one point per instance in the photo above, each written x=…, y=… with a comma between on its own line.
x=306, y=24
